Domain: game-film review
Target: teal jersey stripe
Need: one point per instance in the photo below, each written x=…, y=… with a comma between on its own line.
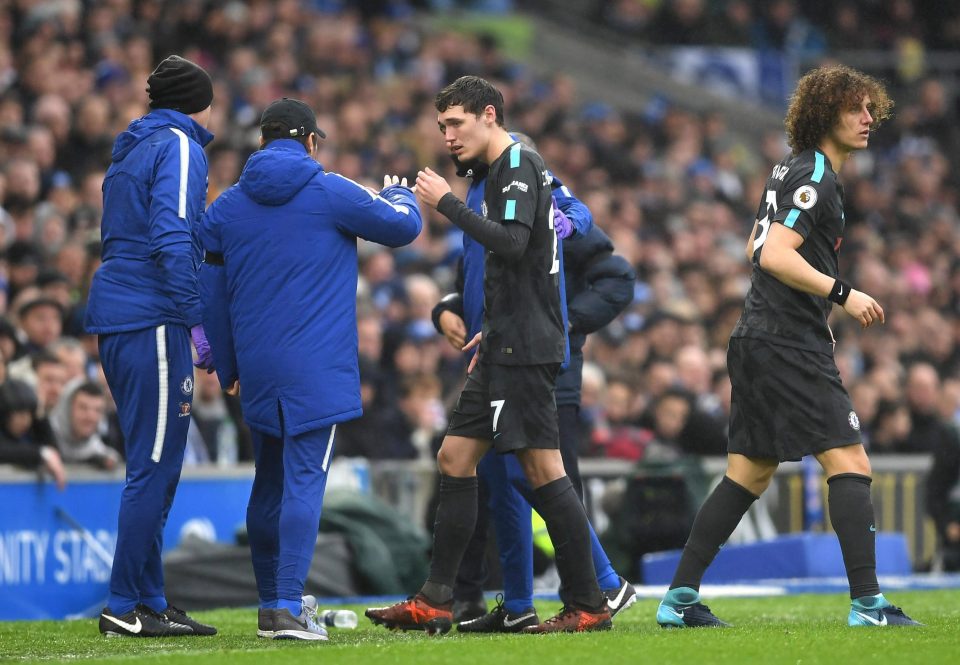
x=515, y=156
x=511, y=211
x=818, y=167
x=791, y=218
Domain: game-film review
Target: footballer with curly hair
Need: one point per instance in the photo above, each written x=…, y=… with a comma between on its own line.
x=788, y=400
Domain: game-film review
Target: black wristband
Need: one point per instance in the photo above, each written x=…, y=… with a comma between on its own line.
x=840, y=292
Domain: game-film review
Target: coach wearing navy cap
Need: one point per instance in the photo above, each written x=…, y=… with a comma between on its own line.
x=279, y=284
x=145, y=307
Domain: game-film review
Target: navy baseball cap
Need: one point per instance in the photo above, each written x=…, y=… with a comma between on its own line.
x=294, y=117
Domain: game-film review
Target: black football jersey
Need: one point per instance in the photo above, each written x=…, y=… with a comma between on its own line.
x=522, y=321
x=803, y=194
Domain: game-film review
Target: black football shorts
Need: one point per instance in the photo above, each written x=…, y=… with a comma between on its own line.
x=787, y=402
x=512, y=406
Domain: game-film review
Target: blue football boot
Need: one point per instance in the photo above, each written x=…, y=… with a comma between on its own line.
x=877, y=611
x=681, y=608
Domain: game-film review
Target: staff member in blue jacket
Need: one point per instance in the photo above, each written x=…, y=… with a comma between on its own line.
x=279, y=286
x=145, y=307
x=597, y=286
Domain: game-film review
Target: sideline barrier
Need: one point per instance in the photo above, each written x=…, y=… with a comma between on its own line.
x=51, y=569
x=791, y=556
x=56, y=548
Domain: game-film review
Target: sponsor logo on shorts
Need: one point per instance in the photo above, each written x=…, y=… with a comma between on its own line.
x=184, y=410
x=853, y=420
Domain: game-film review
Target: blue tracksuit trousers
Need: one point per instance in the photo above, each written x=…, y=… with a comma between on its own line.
x=150, y=374
x=283, y=514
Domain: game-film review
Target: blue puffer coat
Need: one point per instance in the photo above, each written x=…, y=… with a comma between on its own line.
x=280, y=312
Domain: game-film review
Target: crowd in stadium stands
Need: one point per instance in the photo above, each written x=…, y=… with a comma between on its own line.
x=677, y=192
x=805, y=28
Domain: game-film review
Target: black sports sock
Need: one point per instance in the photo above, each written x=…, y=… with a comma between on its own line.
x=718, y=517
x=456, y=517
x=569, y=530
x=851, y=513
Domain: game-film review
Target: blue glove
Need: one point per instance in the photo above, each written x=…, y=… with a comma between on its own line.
x=561, y=223
x=204, y=354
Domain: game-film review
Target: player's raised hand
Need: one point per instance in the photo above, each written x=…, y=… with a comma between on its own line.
x=431, y=187
x=390, y=180
x=476, y=356
x=863, y=308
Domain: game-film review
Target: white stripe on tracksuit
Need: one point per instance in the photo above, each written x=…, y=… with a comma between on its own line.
x=163, y=372
x=326, y=456
x=184, y=172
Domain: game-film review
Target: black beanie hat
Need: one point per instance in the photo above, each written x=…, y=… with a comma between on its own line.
x=180, y=85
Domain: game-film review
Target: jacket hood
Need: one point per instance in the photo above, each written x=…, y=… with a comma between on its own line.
x=275, y=174
x=144, y=127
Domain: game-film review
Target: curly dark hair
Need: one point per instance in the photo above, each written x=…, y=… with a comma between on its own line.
x=821, y=96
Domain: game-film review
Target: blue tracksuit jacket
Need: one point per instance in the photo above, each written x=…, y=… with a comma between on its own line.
x=156, y=184
x=280, y=312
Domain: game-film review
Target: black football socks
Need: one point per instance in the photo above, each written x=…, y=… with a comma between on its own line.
x=851, y=513
x=452, y=529
x=718, y=517
x=561, y=509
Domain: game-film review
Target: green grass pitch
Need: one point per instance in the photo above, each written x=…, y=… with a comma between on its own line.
x=802, y=629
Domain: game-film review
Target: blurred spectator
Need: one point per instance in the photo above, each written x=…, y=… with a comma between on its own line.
x=616, y=433
x=782, y=27
x=668, y=417
x=51, y=377
x=209, y=414
x=367, y=435
x=41, y=322
x=890, y=428
x=733, y=26
x=72, y=355
x=22, y=441
x=928, y=431
x=75, y=421
x=9, y=344
x=679, y=23
x=23, y=265
x=943, y=499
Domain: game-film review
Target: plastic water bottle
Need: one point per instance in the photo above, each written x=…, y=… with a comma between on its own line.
x=338, y=618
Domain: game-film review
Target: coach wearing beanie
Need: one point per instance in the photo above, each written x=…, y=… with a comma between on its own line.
x=144, y=305
x=180, y=85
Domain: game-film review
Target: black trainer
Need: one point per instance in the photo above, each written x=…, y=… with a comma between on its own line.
x=178, y=616
x=499, y=620
x=620, y=598
x=467, y=610
x=141, y=621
